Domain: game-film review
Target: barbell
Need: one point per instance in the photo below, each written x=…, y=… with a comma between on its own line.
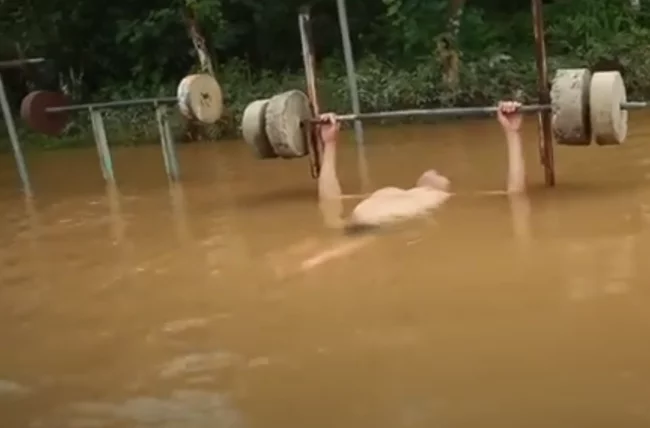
x=584, y=107
x=198, y=97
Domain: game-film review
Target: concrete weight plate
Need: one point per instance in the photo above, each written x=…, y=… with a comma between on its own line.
x=199, y=97
x=570, y=107
x=284, y=114
x=608, y=119
x=33, y=110
x=253, y=125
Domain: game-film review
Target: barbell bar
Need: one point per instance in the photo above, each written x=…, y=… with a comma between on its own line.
x=459, y=112
x=434, y=112
x=584, y=107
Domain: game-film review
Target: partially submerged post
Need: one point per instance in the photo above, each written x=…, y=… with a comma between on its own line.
x=167, y=142
x=304, y=24
x=45, y=112
x=11, y=126
x=101, y=141
x=354, y=92
x=544, y=117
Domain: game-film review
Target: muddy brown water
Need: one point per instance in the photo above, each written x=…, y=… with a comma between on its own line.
x=191, y=306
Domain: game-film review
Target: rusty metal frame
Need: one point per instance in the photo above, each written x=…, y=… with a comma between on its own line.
x=545, y=143
x=306, y=41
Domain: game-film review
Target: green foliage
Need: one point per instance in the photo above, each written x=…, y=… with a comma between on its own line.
x=129, y=50
x=591, y=29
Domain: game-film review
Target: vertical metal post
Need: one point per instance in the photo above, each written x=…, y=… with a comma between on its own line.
x=118, y=232
x=35, y=231
x=15, y=143
x=179, y=210
x=354, y=92
x=99, y=131
x=115, y=209
x=544, y=117
x=167, y=142
x=310, y=79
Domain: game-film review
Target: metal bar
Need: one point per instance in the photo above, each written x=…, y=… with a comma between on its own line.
x=464, y=111
x=304, y=25
x=15, y=143
x=15, y=63
x=635, y=105
x=112, y=104
x=438, y=112
x=544, y=117
x=101, y=141
x=354, y=92
x=166, y=143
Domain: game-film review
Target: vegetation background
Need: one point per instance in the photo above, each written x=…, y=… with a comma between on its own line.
x=120, y=49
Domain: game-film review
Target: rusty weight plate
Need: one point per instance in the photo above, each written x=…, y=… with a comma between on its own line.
x=33, y=112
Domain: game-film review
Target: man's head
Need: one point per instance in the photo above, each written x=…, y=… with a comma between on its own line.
x=433, y=180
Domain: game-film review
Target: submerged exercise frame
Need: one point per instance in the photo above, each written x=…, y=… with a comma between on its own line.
x=544, y=116
x=160, y=106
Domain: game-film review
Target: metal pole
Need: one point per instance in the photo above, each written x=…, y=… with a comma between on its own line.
x=167, y=143
x=115, y=208
x=113, y=104
x=13, y=137
x=310, y=81
x=101, y=141
x=463, y=112
x=354, y=92
x=438, y=112
x=544, y=117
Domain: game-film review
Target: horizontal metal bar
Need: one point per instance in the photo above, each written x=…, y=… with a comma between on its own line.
x=112, y=104
x=634, y=105
x=20, y=62
x=462, y=111
x=453, y=111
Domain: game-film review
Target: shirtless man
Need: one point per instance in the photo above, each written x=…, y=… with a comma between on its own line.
x=391, y=204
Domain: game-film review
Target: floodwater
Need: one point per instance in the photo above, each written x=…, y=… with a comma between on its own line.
x=209, y=304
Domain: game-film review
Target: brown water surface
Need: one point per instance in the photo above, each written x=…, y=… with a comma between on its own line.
x=200, y=305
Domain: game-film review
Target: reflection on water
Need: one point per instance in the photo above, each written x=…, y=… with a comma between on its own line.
x=224, y=301
x=8, y=387
x=184, y=409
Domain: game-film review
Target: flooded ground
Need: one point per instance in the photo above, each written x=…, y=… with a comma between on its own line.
x=196, y=305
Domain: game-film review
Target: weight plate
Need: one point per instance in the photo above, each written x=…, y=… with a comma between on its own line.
x=284, y=114
x=608, y=119
x=33, y=110
x=253, y=129
x=199, y=97
x=570, y=107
